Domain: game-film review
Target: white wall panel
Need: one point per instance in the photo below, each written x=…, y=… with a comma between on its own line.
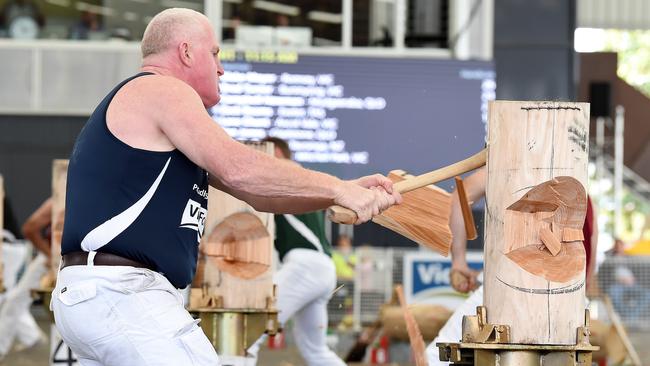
x=61, y=77
x=614, y=14
x=16, y=72
x=47, y=77
x=79, y=80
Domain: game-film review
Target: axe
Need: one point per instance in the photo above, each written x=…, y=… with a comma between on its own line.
x=344, y=215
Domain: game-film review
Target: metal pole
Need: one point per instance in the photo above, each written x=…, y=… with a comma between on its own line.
x=346, y=26
x=356, y=294
x=487, y=29
x=400, y=23
x=460, y=10
x=618, y=168
x=213, y=9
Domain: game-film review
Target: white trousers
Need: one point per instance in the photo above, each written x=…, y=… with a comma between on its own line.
x=304, y=286
x=119, y=316
x=452, y=331
x=16, y=320
x=14, y=256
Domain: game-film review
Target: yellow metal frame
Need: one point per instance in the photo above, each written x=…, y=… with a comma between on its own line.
x=485, y=344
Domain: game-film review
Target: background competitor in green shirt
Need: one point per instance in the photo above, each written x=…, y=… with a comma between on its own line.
x=306, y=279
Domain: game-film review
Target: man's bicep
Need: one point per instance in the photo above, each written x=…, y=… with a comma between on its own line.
x=190, y=129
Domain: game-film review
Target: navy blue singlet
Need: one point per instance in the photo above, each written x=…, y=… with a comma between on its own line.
x=143, y=205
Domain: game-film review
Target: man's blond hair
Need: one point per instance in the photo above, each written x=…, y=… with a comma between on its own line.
x=168, y=26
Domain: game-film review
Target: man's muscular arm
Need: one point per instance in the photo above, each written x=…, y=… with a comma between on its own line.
x=249, y=174
x=293, y=205
x=36, y=223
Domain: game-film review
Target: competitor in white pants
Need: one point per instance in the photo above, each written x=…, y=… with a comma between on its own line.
x=305, y=281
x=14, y=257
x=16, y=320
x=305, y=284
x=463, y=278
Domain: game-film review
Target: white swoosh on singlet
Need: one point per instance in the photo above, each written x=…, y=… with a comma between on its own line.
x=306, y=232
x=104, y=233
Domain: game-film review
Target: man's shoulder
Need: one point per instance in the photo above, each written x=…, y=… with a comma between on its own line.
x=164, y=95
x=160, y=86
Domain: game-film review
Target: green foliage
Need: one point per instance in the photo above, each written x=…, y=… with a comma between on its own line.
x=633, y=48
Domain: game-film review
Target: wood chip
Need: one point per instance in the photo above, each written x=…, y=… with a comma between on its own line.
x=550, y=241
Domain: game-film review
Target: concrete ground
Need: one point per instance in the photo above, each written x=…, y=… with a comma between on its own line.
x=39, y=355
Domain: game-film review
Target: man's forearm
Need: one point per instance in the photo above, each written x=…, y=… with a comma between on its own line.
x=286, y=205
x=36, y=223
x=33, y=234
x=43, y=245
x=457, y=226
x=257, y=174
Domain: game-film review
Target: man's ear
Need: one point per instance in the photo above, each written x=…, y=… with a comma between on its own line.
x=184, y=53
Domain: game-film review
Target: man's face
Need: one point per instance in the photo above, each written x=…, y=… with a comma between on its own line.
x=207, y=67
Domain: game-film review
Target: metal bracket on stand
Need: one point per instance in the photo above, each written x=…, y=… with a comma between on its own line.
x=485, y=344
x=233, y=331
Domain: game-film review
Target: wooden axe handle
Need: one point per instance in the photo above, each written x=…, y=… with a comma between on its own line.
x=344, y=215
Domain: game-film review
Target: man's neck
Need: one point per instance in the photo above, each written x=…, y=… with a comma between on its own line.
x=157, y=69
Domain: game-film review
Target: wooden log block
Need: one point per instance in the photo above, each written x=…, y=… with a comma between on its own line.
x=59, y=179
x=236, y=269
x=612, y=348
x=530, y=143
x=429, y=318
x=239, y=246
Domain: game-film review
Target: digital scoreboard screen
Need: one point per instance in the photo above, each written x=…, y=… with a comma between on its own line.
x=353, y=116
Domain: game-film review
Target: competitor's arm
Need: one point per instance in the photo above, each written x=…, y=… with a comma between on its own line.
x=36, y=223
x=294, y=205
x=248, y=173
x=475, y=189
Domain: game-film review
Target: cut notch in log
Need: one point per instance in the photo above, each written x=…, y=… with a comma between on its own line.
x=527, y=225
